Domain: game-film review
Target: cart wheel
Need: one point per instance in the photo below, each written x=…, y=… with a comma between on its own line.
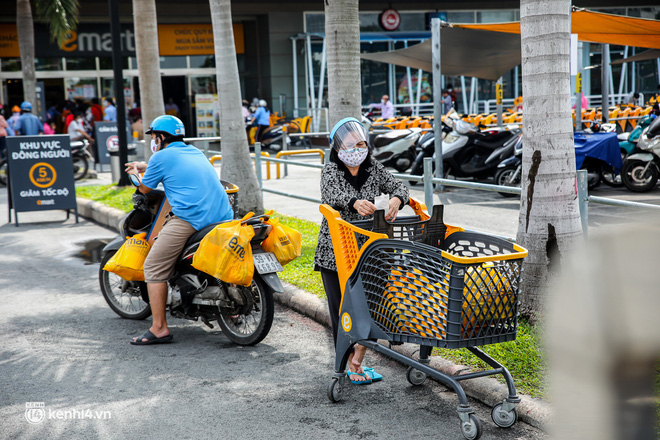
x=472, y=429
x=415, y=377
x=335, y=390
x=503, y=419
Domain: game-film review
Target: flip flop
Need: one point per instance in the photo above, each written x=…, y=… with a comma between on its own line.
x=358, y=382
x=375, y=377
x=152, y=339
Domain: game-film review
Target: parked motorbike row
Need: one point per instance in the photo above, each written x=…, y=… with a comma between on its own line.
x=471, y=153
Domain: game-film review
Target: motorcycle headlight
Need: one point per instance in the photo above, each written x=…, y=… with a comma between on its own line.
x=450, y=138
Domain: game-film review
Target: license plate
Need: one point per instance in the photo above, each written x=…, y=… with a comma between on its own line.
x=266, y=263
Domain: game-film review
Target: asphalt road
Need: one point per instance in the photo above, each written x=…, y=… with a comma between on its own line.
x=63, y=346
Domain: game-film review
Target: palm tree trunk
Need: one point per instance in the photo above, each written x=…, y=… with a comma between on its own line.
x=236, y=164
x=25, y=27
x=342, y=33
x=549, y=222
x=148, y=60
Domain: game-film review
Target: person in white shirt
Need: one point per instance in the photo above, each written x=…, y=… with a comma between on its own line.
x=385, y=106
x=76, y=129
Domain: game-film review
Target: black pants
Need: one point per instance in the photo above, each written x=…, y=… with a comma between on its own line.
x=333, y=292
x=260, y=132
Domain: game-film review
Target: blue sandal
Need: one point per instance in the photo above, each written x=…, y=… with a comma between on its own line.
x=375, y=377
x=358, y=382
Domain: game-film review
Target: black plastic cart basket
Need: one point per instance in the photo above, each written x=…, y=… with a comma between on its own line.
x=419, y=281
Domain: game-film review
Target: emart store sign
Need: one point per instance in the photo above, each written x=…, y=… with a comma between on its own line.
x=96, y=40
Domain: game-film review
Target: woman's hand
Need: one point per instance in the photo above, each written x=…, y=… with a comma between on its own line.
x=135, y=167
x=364, y=207
x=394, y=205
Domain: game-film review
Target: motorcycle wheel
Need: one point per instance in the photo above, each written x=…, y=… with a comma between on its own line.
x=249, y=327
x=123, y=297
x=634, y=180
x=3, y=172
x=80, y=167
x=503, y=178
x=609, y=178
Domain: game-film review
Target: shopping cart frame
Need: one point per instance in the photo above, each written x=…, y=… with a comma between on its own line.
x=357, y=325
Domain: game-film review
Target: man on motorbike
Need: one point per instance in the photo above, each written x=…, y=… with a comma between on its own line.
x=197, y=199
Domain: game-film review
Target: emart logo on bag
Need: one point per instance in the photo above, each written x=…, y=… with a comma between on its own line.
x=236, y=249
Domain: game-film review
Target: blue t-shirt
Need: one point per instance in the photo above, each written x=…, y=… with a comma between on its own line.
x=191, y=184
x=29, y=125
x=110, y=113
x=262, y=116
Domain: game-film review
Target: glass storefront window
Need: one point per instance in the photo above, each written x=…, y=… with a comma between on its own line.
x=460, y=17
x=202, y=61
x=86, y=63
x=650, y=13
x=11, y=64
x=47, y=64
x=108, y=90
x=173, y=62
x=105, y=63
x=80, y=88
x=203, y=84
x=495, y=16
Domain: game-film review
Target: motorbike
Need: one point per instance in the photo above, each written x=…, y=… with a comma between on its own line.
x=469, y=152
x=628, y=140
x=244, y=313
x=425, y=147
x=395, y=148
x=509, y=171
x=641, y=169
x=81, y=158
x=598, y=164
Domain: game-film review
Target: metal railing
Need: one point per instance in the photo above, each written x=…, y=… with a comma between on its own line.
x=429, y=181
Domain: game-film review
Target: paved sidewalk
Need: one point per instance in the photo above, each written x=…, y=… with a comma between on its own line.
x=501, y=221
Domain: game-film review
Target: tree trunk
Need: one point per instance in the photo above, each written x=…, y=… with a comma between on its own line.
x=342, y=33
x=148, y=60
x=25, y=27
x=549, y=222
x=236, y=163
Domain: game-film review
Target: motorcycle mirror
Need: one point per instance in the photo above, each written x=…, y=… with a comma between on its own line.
x=135, y=179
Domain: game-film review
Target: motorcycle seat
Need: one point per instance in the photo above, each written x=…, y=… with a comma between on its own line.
x=623, y=136
x=197, y=236
x=385, y=139
x=494, y=141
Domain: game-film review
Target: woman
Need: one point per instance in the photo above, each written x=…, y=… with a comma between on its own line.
x=350, y=183
x=262, y=118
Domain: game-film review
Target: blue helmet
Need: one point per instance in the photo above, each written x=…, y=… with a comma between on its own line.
x=26, y=106
x=339, y=136
x=167, y=124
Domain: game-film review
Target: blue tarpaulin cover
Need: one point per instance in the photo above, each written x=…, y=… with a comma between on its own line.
x=603, y=146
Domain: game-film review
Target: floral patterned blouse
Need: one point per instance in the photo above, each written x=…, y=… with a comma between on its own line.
x=341, y=190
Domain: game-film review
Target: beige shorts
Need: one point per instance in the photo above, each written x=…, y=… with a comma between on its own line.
x=159, y=265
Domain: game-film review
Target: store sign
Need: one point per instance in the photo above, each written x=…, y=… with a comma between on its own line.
x=390, y=19
x=193, y=39
x=106, y=140
x=40, y=173
x=92, y=40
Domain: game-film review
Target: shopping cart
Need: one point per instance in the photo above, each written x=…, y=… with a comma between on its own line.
x=419, y=281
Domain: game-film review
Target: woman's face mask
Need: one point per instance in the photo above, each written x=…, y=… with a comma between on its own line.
x=354, y=156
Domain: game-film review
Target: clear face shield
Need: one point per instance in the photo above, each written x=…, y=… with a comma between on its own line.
x=349, y=136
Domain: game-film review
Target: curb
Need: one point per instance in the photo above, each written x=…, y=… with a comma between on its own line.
x=487, y=390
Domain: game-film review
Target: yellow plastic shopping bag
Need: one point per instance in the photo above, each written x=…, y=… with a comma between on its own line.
x=128, y=262
x=226, y=254
x=283, y=241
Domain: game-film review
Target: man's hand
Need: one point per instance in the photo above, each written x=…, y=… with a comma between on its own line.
x=135, y=167
x=364, y=207
x=394, y=205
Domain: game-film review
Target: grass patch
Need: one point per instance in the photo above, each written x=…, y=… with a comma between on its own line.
x=110, y=195
x=523, y=358
x=300, y=272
